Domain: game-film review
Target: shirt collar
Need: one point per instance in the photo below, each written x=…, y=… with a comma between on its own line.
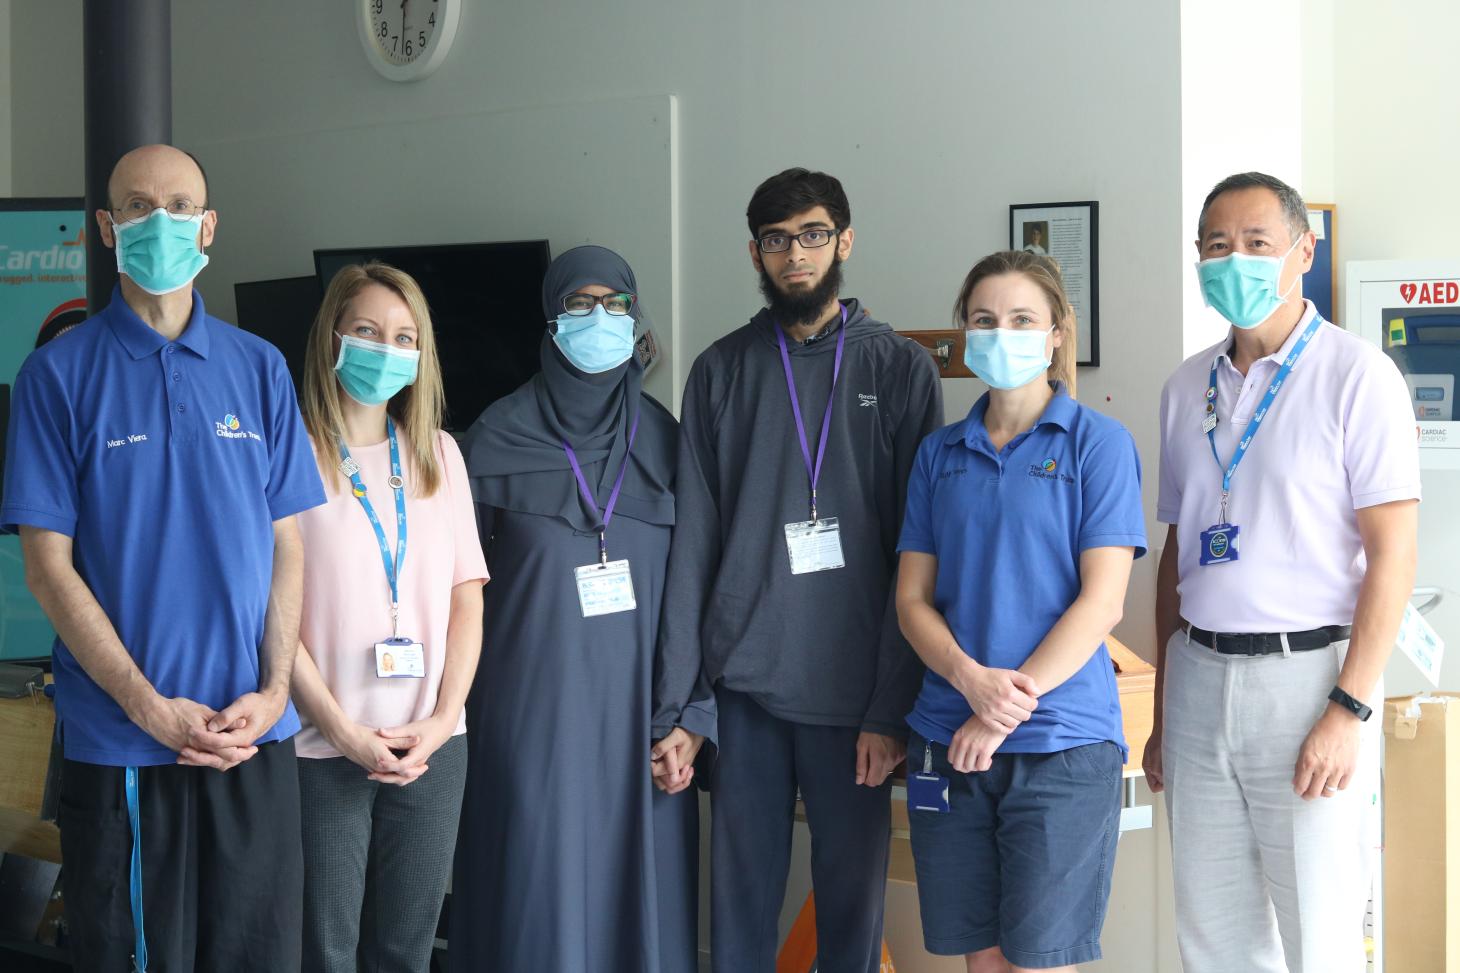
x=140, y=340
x=1059, y=412
x=1277, y=357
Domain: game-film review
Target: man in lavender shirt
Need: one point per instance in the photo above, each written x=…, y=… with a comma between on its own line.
x=1290, y=481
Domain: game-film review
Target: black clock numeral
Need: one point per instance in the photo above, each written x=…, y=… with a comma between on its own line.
x=432, y=19
x=394, y=43
x=377, y=6
x=408, y=48
x=422, y=41
x=383, y=30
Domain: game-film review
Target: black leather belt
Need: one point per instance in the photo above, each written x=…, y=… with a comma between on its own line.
x=1269, y=643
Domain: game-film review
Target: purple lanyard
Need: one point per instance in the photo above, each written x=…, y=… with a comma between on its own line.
x=813, y=470
x=612, y=497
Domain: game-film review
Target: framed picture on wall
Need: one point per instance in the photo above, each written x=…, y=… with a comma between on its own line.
x=1067, y=233
x=1320, y=283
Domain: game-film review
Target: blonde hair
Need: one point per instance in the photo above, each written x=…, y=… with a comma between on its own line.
x=1045, y=274
x=417, y=409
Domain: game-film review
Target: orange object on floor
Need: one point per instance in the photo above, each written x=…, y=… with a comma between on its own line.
x=798, y=953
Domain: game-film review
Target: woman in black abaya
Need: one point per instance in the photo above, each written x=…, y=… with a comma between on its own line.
x=578, y=850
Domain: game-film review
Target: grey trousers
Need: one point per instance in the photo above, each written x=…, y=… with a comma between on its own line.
x=377, y=859
x=762, y=763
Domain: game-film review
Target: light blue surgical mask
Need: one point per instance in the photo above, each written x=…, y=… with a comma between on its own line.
x=1005, y=358
x=1243, y=288
x=372, y=373
x=160, y=254
x=595, y=342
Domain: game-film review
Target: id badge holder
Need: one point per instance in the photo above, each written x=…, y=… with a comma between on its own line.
x=604, y=589
x=1219, y=544
x=927, y=791
x=400, y=658
x=815, y=545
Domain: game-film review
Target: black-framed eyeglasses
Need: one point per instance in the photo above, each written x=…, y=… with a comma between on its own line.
x=809, y=239
x=136, y=210
x=579, y=305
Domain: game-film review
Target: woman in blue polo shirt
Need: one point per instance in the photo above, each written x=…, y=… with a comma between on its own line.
x=1022, y=522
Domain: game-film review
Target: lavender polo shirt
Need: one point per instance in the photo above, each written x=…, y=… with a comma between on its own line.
x=1340, y=436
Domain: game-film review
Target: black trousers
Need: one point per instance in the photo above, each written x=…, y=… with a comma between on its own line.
x=761, y=765
x=222, y=866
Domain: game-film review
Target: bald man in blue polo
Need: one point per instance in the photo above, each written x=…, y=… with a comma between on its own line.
x=154, y=465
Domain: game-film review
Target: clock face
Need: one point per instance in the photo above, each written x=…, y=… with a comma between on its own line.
x=407, y=39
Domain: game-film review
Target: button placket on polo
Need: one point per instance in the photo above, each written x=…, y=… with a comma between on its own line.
x=182, y=419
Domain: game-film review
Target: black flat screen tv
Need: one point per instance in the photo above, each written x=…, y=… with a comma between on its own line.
x=486, y=306
x=280, y=311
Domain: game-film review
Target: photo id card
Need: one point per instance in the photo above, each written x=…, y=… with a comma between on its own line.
x=400, y=658
x=927, y=792
x=1219, y=544
x=604, y=589
x=815, y=545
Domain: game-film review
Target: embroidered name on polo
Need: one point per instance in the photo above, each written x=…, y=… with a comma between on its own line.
x=139, y=438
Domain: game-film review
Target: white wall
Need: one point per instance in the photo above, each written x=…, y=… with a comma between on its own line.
x=1394, y=139
x=1241, y=110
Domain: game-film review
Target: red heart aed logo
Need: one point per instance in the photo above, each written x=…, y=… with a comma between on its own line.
x=1406, y=291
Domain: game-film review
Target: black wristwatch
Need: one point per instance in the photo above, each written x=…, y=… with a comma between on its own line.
x=1349, y=703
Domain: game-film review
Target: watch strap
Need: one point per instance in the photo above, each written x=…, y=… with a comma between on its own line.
x=1349, y=703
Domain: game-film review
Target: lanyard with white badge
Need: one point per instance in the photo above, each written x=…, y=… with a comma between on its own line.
x=815, y=544
x=1220, y=541
x=396, y=657
x=606, y=587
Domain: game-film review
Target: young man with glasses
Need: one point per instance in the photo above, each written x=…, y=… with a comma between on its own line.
x=156, y=460
x=798, y=433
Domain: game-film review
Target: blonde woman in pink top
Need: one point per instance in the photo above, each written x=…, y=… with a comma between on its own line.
x=390, y=634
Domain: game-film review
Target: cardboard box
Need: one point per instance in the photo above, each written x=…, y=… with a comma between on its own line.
x=1422, y=834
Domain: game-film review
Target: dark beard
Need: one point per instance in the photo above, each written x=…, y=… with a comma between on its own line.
x=802, y=306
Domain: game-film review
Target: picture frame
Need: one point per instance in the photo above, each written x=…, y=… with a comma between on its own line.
x=1069, y=234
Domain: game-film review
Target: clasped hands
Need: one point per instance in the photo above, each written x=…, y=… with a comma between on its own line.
x=1001, y=699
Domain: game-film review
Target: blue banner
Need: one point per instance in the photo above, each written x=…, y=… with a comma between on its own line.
x=42, y=294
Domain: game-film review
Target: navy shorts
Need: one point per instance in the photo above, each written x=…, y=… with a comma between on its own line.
x=1023, y=859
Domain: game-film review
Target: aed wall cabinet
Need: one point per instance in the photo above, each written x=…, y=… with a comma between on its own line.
x=1411, y=309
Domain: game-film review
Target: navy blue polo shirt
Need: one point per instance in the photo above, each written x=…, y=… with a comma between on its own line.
x=1007, y=527
x=167, y=464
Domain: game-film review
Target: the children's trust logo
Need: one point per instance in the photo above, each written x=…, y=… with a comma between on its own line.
x=229, y=428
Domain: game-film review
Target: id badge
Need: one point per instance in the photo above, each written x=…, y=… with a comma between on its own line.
x=927, y=792
x=1219, y=544
x=604, y=589
x=815, y=545
x=400, y=658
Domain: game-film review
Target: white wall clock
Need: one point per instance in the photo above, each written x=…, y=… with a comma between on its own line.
x=405, y=40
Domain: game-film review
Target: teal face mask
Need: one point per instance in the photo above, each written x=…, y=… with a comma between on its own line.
x=595, y=342
x=1243, y=288
x=160, y=254
x=372, y=373
x=1005, y=358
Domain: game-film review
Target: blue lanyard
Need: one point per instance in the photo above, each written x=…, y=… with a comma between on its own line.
x=1263, y=408
x=392, y=567
x=134, y=815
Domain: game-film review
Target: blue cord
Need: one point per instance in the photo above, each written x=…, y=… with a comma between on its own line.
x=134, y=814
